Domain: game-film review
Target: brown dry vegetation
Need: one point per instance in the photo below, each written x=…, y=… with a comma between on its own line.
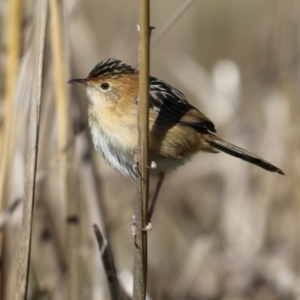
x=223, y=229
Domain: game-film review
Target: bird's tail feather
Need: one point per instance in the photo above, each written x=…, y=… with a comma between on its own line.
x=236, y=151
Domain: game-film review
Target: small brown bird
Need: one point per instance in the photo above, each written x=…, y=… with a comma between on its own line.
x=177, y=129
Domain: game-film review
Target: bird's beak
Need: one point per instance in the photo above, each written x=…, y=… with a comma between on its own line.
x=78, y=81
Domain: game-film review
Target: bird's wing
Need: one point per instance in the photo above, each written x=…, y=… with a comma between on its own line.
x=167, y=104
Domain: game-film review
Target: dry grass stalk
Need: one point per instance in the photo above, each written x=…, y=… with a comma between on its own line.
x=12, y=64
x=31, y=160
x=13, y=52
x=67, y=178
x=109, y=265
x=141, y=204
x=59, y=87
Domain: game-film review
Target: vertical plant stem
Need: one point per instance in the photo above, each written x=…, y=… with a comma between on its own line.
x=60, y=86
x=13, y=28
x=67, y=179
x=141, y=204
x=31, y=159
x=12, y=64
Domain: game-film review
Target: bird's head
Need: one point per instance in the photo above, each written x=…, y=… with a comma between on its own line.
x=109, y=81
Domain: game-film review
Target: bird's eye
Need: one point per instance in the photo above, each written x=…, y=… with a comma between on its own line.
x=105, y=86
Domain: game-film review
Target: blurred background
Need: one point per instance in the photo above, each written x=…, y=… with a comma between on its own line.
x=223, y=229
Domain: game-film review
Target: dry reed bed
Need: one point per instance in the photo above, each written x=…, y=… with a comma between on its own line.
x=222, y=229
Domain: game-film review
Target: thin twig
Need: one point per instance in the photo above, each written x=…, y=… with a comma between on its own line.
x=171, y=22
x=141, y=203
x=108, y=264
x=31, y=159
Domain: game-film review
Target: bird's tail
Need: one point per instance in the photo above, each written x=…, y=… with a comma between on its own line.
x=236, y=151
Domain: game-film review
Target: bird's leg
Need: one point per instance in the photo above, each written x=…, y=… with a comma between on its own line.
x=161, y=177
x=160, y=181
x=149, y=227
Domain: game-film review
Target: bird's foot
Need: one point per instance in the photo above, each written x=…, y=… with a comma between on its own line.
x=153, y=165
x=136, y=163
x=148, y=227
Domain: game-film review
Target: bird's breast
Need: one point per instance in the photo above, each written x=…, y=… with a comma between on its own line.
x=113, y=138
x=114, y=151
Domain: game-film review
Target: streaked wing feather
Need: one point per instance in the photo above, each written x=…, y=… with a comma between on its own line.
x=167, y=104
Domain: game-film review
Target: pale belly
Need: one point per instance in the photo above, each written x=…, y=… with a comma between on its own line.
x=121, y=158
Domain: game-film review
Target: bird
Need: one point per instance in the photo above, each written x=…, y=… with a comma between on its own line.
x=177, y=130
